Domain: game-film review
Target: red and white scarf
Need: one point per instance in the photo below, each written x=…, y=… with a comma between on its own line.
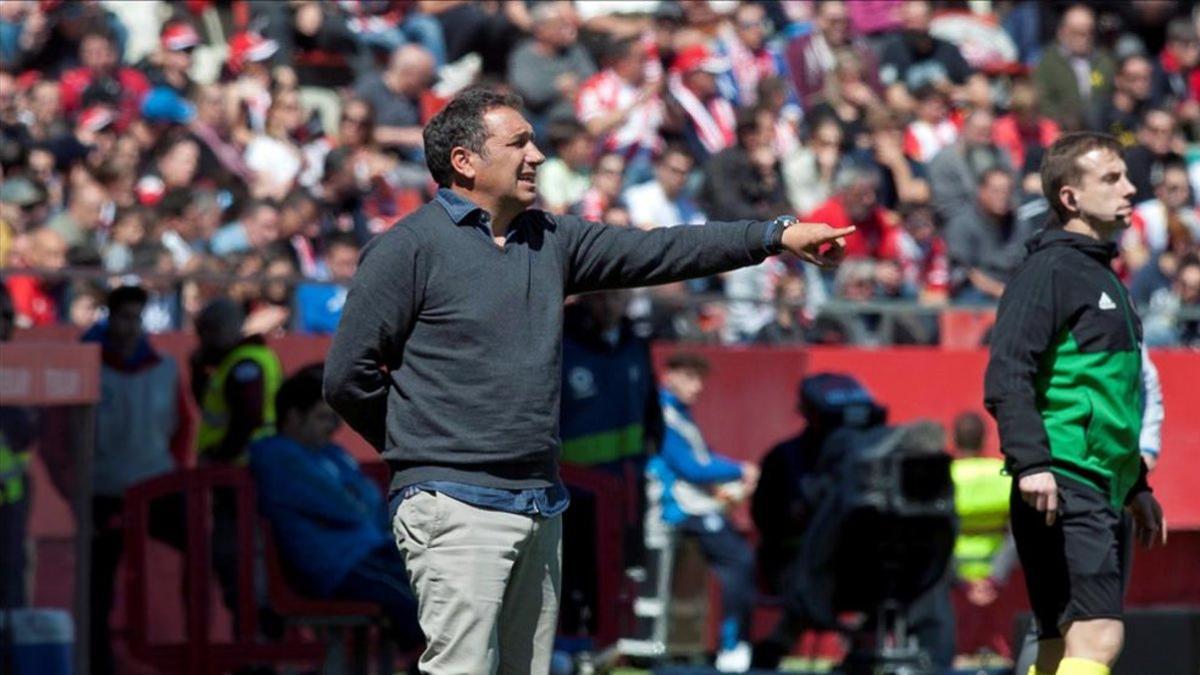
x=714, y=122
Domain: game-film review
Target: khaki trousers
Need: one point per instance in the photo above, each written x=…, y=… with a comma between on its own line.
x=487, y=585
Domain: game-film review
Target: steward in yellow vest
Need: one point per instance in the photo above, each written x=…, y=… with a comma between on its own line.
x=234, y=380
x=981, y=496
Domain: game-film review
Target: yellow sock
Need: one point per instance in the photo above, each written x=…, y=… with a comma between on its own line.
x=1074, y=666
x=1033, y=670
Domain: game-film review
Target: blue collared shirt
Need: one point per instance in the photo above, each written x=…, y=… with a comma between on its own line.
x=548, y=501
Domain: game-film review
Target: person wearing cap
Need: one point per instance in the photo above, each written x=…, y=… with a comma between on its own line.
x=91, y=139
x=168, y=66
x=452, y=324
x=22, y=203
x=248, y=71
x=695, y=105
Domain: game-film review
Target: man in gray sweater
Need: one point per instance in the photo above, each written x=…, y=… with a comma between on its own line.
x=447, y=360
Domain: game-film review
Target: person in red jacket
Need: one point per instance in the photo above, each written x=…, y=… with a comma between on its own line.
x=102, y=79
x=854, y=202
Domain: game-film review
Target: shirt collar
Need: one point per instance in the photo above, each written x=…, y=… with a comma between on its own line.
x=457, y=206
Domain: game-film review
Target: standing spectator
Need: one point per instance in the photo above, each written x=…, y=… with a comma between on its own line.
x=102, y=79
x=622, y=107
x=1168, y=222
x=564, y=178
x=695, y=105
x=987, y=241
x=142, y=430
x=915, y=59
x=1164, y=326
x=791, y=322
x=696, y=488
x=924, y=260
x=746, y=180
x=854, y=202
x=811, y=58
x=17, y=435
x=662, y=202
x=319, y=304
x=87, y=214
x=169, y=66
x=1073, y=75
x=257, y=227
x=901, y=178
x=1119, y=113
x=37, y=298
x=395, y=96
x=751, y=60
x=548, y=68
x=808, y=172
x=1155, y=147
x=327, y=518
x=955, y=172
x=1023, y=132
x=847, y=99
x=1177, y=73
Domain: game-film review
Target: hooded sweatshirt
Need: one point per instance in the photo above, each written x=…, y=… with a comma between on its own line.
x=1064, y=380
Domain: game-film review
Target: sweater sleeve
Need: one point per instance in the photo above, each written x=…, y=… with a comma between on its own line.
x=598, y=256
x=380, y=310
x=1026, y=323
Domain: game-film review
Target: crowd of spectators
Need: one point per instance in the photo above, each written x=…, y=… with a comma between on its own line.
x=252, y=149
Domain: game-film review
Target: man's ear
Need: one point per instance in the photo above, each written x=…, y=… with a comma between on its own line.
x=462, y=161
x=1066, y=197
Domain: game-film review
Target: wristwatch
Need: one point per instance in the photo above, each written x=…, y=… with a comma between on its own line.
x=775, y=232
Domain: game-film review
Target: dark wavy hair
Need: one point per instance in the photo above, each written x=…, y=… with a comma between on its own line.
x=460, y=124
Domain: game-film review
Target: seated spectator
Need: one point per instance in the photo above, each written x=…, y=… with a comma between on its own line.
x=328, y=520
x=791, y=322
x=86, y=217
x=931, y=130
x=1156, y=144
x=662, y=202
x=387, y=26
x=901, y=178
x=45, y=108
x=811, y=59
x=695, y=106
x=914, y=59
x=1176, y=81
x=169, y=65
x=746, y=180
x=1073, y=74
x=774, y=95
x=955, y=172
x=319, y=305
x=986, y=242
x=101, y=79
x=1024, y=133
x=846, y=98
x=808, y=172
x=547, y=69
x=924, y=263
x=269, y=311
x=274, y=155
x=854, y=202
x=36, y=298
x=622, y=107
x=1159, y=224
x=395, y=97
x=316, y=37
x=143, y=430
x=1118, y=114
x=91, y=139
x=247, y=72
x=299, y=227
x=1164, y=327
x=605, y=189
x=752, y=59
x=695, y=488
x=257, y=227
x=563, y=178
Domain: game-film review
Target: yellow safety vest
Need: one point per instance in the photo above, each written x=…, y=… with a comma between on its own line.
x=214, y=412
x=981, y=496
x=12, y=473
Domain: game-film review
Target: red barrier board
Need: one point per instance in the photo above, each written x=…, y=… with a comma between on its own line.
x=49, y=373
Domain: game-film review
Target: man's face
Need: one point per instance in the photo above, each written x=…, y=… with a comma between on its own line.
x=1157, y=131
x=178, y=165
x=977, y=131
x=672, y=173
x=125, y=325
x=1077, y=31
x=702, y=83
x=1187, y=285
x=1103, y=196
x=834, y=23
x=313, y=428
x=1134, y=79
x=506, y=167
x=995, y=195
x=750, y=22
x=860, y=199
x=178, y=60
x=915, y=16
x=608, y=176
x=44, y=101
x=97, y=54
x=685, y=383
x=262, y=227
x=342, y=262
x=559, y=29
x=1173, y=191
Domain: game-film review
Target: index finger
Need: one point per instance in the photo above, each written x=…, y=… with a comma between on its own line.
x=838, y=233
x=1051, y=507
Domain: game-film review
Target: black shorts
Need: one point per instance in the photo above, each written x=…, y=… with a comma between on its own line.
x=1076, y=568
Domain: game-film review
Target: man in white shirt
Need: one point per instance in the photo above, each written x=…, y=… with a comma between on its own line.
x=662, y=201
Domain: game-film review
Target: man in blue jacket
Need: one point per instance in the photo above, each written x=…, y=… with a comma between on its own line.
x=696, y=487
x=328, y=519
